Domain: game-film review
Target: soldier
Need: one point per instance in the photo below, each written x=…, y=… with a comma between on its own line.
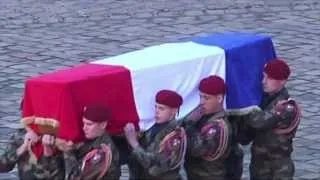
x=209, y=133
x=161, y=150
x=19, y=152
x=97, y=157
x=275, y=126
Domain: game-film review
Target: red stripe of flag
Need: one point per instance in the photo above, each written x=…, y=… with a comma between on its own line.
x=62, y=95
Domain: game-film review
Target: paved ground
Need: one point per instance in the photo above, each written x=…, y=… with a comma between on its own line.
x=39, y=36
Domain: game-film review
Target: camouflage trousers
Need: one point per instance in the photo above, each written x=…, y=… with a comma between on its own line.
x=279, y=169
x=210, y=172
x=138, y=172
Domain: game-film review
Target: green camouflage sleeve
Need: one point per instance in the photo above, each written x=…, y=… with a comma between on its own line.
x=9, y=158
x=51, y=167
x=153, y=161
x=263, y=119
x=93, y=165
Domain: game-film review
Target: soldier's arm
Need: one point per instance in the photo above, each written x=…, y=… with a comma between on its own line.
x=268, y=119
x=10, y=157
x=94, y=165
x=190, y=119
x=153, y=161
x=52, y=167
x=260, y=119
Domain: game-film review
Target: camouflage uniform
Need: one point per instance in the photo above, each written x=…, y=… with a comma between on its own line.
x=147, y=162
x=198, y=165
x=47, y=168
x=271, y=149
x=74, y=160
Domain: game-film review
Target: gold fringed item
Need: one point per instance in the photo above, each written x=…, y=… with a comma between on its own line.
x=45, y=125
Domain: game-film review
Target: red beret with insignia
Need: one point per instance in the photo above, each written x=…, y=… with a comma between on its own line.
x=169, y=98
x=213, y=85
x=97, y=113
x=277, y=69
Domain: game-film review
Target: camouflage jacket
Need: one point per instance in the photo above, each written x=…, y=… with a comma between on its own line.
x=46, y=168
x=156, y=164
x=75, y=160
x=198, y=165
x=267, y=143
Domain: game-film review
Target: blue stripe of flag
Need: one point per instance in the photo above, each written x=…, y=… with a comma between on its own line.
x=246, y=55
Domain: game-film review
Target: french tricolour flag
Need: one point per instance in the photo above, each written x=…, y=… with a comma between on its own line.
x=129, y=82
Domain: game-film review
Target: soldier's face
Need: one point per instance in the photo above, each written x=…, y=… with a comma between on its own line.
x=164, y=113
x=270, y=85
x=93, y=129
x=210, y=103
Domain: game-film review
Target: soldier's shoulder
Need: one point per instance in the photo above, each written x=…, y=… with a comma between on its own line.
x=282, y=95
x=171, y=126
x=174, y=123
x=221, y=116
x=105, y=139
x=219, y=122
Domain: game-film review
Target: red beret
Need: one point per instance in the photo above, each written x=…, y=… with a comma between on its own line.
x=277, y=69
x=212, y=85
x=169, y=98
x=97, y=113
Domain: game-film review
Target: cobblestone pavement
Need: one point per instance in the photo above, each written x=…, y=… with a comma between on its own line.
x=39, y=36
